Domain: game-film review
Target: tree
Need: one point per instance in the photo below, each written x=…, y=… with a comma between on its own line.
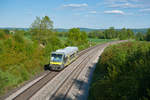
x=92, y=34
x=6, y=31
x=139, y=36
x=46, y=23
x=62, y=34
x=110, y=33
x=123, y=34
x=84, y=37
x=41, y=28
x=101, y=35
x=148, y=35
x=74, y=34
x=2, y=34
x=76, y=37
x=130, y=33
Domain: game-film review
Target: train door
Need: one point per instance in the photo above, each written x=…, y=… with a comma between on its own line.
x=65, y=60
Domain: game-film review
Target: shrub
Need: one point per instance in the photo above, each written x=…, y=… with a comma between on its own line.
x=2, y=34
x=122, y=73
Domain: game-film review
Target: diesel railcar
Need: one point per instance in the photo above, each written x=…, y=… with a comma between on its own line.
x=62, y=57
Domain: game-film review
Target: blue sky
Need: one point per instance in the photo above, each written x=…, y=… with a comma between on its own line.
x=77, y=13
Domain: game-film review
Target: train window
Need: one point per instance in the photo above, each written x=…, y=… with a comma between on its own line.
x=56, y=57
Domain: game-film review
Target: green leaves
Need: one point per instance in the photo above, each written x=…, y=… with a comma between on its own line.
x=77, y=38
x=122, y=73
x=148, y=35
x=41, y=29
x=113, y=33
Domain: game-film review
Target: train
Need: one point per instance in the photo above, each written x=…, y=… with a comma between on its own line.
x=62, y=57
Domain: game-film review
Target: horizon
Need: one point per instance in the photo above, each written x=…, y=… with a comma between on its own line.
x=74, y=27
x=133, y=14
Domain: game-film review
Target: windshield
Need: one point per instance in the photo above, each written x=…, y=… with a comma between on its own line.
x=56, y=57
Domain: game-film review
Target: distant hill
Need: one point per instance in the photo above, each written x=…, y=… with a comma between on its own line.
x=142, y=30
x=61, y=30
x=82, y=29
x=11, y=28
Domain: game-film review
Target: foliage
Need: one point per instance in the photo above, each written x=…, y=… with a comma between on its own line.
x=20, y=59
x=77, y=38
x=140, y=37
x=96, y=34
x=41, y=29
x=62, y=34
x=111, y=33
x=122, y=73
x=24, y=53
x=2, y=34
x=148, y=35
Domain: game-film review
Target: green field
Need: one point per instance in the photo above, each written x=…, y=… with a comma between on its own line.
x=63, y=38
x=94, y=40
x=99, y=40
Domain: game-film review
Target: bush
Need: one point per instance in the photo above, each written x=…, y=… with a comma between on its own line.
x=2, y=34
x=122, y=73
x=20, y=59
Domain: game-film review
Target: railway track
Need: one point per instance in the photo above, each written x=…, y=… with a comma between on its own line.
x=63, y=90
x=31, y=90
x=62, y=87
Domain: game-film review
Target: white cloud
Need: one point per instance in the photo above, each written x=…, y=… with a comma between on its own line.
x=114, y=12
x=76, y=5
x=124, y=5
x=92, y=12
x=127, y=3
x=125, y=0
x=110, y=1
x=145, y=10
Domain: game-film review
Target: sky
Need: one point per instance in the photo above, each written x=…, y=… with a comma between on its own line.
x=100, y=14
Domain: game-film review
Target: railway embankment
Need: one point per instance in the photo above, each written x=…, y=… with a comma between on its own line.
x=70, y=83
x=122, y=73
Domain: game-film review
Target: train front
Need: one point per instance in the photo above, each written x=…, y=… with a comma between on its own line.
x=56, y=61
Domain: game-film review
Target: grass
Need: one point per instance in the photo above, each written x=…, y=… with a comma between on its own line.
x=93, y=40
x=100, y=40
x=63, y=38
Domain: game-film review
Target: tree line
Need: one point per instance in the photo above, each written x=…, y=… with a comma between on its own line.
x=121, y=34
x=113, y=33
